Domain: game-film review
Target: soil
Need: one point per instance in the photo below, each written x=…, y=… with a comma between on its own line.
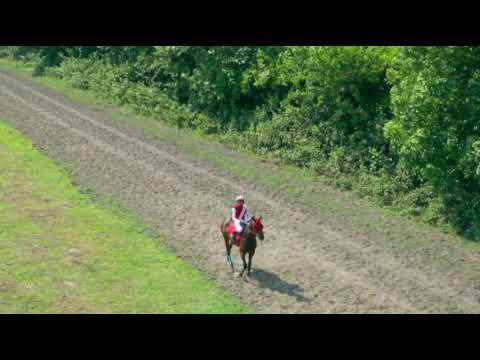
x=310, y=262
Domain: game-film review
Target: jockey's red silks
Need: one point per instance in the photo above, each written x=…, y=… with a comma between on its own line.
x=240, y=211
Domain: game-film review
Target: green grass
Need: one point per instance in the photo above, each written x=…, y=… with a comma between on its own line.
x=63, y=253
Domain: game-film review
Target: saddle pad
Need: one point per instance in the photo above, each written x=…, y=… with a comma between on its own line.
x=230, y=228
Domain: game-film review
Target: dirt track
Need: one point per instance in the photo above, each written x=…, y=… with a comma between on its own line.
x=306, y=266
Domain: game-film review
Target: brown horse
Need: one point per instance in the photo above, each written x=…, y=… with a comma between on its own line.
x=248, y=242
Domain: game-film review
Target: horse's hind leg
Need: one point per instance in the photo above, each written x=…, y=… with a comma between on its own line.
x=228, y=246
x=242, y=255
x=250, y=257
x=229, y=259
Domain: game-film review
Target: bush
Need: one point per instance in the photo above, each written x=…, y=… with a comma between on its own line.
x=338, y=100
x=435, y=128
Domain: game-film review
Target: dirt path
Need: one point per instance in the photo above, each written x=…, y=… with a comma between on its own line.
x=307, y=266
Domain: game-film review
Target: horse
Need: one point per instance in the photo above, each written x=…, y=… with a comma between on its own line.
x=247, y=244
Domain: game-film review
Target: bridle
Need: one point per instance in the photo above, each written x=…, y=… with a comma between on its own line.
x=256, y=228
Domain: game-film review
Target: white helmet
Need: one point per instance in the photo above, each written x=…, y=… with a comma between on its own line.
x=240, y=197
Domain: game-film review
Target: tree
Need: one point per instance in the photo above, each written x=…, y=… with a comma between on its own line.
x=436, y=127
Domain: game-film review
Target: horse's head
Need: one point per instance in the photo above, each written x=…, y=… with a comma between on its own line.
x=257, y=227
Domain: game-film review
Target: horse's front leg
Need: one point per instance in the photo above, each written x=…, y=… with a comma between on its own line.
x=242, y=255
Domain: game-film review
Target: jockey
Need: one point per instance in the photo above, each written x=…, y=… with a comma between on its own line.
x=240, y=216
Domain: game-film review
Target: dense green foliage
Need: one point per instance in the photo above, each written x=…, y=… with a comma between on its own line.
x=397, y=124
x=435, y=131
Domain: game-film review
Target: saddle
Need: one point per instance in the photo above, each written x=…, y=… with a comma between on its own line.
x=230, y=230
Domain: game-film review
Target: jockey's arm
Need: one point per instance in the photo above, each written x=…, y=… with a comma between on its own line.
x=248, y=217
x=233, y=215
